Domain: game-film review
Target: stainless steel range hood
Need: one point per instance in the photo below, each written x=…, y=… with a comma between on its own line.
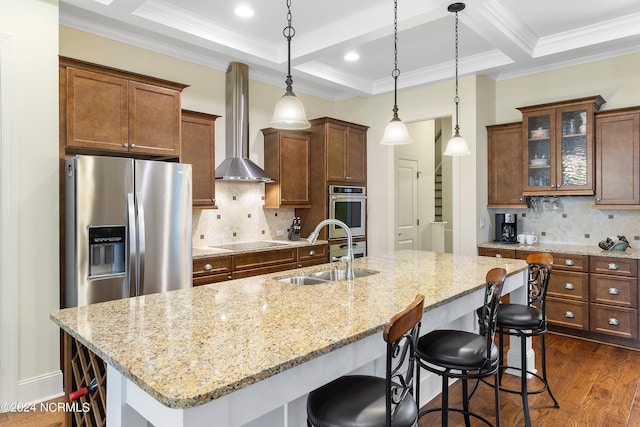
x=237, y=166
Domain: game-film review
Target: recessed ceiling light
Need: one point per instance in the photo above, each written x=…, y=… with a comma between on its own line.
x=351, y=56
x=244, y=11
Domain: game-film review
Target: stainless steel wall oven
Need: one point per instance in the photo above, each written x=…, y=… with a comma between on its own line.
x=348, y=204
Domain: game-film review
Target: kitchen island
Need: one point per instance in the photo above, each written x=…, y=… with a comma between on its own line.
x=246, y=352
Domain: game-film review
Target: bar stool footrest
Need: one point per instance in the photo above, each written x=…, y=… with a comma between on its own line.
x=458, y=410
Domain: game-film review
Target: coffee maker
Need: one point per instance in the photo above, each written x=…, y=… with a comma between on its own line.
x=506, y=228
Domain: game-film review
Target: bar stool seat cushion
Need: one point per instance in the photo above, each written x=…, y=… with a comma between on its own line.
x=455, y=349
x=520, y=316
x=356, y=401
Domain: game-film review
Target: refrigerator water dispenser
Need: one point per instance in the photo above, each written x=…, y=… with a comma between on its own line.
x=106, y=251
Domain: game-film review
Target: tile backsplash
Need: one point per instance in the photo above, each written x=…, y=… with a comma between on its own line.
x=575, y=221
x=240, y=216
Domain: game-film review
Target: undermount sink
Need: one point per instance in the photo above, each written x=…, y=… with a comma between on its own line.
x=325, y=276
x=335, y=274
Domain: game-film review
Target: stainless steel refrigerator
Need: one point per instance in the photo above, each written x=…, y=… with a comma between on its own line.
x=127, y=228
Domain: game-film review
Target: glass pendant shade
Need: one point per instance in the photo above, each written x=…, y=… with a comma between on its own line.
x=456, y=146
x=396, y=133
x=289, y=114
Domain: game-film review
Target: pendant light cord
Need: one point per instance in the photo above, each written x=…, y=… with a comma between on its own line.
x=288, y=33
x=396, y=72
x=456, y=99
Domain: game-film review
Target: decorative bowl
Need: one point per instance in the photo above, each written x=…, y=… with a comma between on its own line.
x=539, y=133
x=539, y=162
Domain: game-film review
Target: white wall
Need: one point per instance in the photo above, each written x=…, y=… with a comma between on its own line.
x=33, y=25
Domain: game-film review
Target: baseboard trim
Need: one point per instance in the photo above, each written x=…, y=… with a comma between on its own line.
x=41, y=388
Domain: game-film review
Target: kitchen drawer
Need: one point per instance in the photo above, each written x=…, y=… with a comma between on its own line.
x=313, y=254
x=241, y=274
x=618, y=321
x=614, y=290
x=211, y=266
x=498, y=253
x=571, y=314
x=567, y=262
x=259, y=260
x=617, y=266
x=214, y=278
x=569, y=285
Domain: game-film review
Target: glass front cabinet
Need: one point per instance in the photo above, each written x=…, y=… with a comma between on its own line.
x=558, y=149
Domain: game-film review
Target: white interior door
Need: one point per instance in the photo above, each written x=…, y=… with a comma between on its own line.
x=406, y=236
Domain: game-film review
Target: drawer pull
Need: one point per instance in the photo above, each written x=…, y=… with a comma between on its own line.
x=569, y=262
x=569, y=286
x=613, y=266
x=498, y=256
x=312, y=253
x=208, y=267
x=613, y=291
x=569, y=315
x=613, y=321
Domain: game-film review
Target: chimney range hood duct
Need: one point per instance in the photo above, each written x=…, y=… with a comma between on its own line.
x=237, y=166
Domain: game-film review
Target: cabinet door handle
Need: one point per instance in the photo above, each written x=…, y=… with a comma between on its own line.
x=133, y=145
x=613, y=321
x=125, y=145
x=208, y=267
x=613, y=291
x=569, y=315
x=598, y=199
x=553, y=186
x=569, y=262
x=312, y=253
x=613, y=266
x=498, y=256
x=569, y=286
x=559, y=185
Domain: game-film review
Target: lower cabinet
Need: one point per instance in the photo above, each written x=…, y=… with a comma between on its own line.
x=595, y=297
x=220, y=268
x=614, y=296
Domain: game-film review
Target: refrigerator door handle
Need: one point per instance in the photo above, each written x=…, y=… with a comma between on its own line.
x=141, y=244
x=132, y=271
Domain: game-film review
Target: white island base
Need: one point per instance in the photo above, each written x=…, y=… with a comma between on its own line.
x=280, y=400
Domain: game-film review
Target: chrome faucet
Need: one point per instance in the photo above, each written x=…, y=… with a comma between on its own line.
x=349, y=256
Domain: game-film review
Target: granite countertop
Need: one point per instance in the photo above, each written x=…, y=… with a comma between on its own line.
x=190, y=346
x=215, y=251
x=565, y=249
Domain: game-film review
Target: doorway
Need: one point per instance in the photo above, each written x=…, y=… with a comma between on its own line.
x=423, y=188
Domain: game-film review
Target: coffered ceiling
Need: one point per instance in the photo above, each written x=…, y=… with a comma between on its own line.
x=498, y=38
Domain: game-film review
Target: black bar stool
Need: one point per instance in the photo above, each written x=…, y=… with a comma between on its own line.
x=465, y=355
x=369, y=401
x=525, y=321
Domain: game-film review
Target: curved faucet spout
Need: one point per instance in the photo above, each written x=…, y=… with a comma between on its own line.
x=349, y=256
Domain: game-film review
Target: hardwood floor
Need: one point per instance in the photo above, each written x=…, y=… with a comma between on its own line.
x=596, y=385
x=35, y=419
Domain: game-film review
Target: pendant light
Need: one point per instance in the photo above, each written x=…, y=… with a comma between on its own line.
x=396, y=132
x=456, y=145
x=289, y=112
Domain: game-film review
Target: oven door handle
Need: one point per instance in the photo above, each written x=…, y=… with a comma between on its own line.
x=345, y=245
x=349, y=198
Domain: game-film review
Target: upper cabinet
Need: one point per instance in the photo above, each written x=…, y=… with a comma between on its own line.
x=558, y=148
x=198, y=149
x=505, y=169
x=109, y=110
x=346, y=146
x=618, y=159
x=287, y=159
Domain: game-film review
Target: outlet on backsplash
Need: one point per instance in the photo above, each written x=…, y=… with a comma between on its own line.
x=240, y=216
x=576, y=223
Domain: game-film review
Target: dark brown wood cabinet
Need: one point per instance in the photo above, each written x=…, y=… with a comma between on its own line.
x=558, y=147
x=198, y=149
x=287, y=157
x=313, y=255
x=505, y=173
x=568, y=293
x=338, y=156
x=618, y=159
x=211, y=270
x=108, y=110
x=614, y=296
